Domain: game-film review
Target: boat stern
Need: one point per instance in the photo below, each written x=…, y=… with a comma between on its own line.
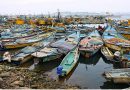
x=60, y=71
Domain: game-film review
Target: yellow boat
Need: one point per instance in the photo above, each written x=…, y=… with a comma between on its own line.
x=107, y=53
x=112, y=46
x=25, y=54
x=124, y=31
x=115, y=41
x=126, y=36
x=19, y=43
x=118, y=45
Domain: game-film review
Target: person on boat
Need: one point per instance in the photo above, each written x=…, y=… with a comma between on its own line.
x=117, y=55
x=7, y=56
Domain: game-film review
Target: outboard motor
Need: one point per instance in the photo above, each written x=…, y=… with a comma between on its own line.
x=59, y=70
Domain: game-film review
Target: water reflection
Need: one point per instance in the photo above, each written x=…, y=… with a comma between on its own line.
x=106, y=61
x=90, y=61
x=108, y=85
x=47, y=66
x=116, y=65
x=88, y=73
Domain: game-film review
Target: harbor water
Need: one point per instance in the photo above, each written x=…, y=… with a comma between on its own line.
x=88, y=73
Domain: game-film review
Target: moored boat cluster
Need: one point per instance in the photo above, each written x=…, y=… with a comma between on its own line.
x=44, y=40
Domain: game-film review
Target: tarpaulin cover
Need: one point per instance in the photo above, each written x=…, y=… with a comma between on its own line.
x=64, y=46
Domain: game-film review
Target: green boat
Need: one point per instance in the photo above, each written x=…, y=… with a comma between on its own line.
x=68, y=62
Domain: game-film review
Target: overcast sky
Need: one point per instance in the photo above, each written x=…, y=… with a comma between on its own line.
x=45, y=6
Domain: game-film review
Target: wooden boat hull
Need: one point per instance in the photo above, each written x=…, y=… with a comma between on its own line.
x=125, y=32
x=68, y=62
x=47, y=54
x=21, y=37
x=107, y=53
x=88, y=53
x=125, y=61
x=114, y=40
x=25, y=54
x=20, y=45
x=126, y=36
x=19, y=61
x=51, y=57
x=91, y=44
x=67, y=44
x=116, y=47
x=122, y=29
x=118, y=75
x=113, y=47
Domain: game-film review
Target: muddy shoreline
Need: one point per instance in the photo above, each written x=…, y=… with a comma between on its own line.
x=14, y=77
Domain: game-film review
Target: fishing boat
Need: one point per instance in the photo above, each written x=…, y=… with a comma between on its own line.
x=107, y=53
x=19, y=43
x=25, y=54
x=125, y=59
x=68, y=62
x=8, y=36
x=21, y=28
x=68, y=43
x=114, y=40
x=60, y=29
x=47, y=54
x=124, y=31
x=118, y=75
x=91, y=44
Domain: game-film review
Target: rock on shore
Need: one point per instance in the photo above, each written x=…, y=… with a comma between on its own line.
x=22, y=78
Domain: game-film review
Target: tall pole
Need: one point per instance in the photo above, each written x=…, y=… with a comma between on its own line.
x=58, y=17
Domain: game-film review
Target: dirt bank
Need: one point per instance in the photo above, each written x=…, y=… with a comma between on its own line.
x=12, y=77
